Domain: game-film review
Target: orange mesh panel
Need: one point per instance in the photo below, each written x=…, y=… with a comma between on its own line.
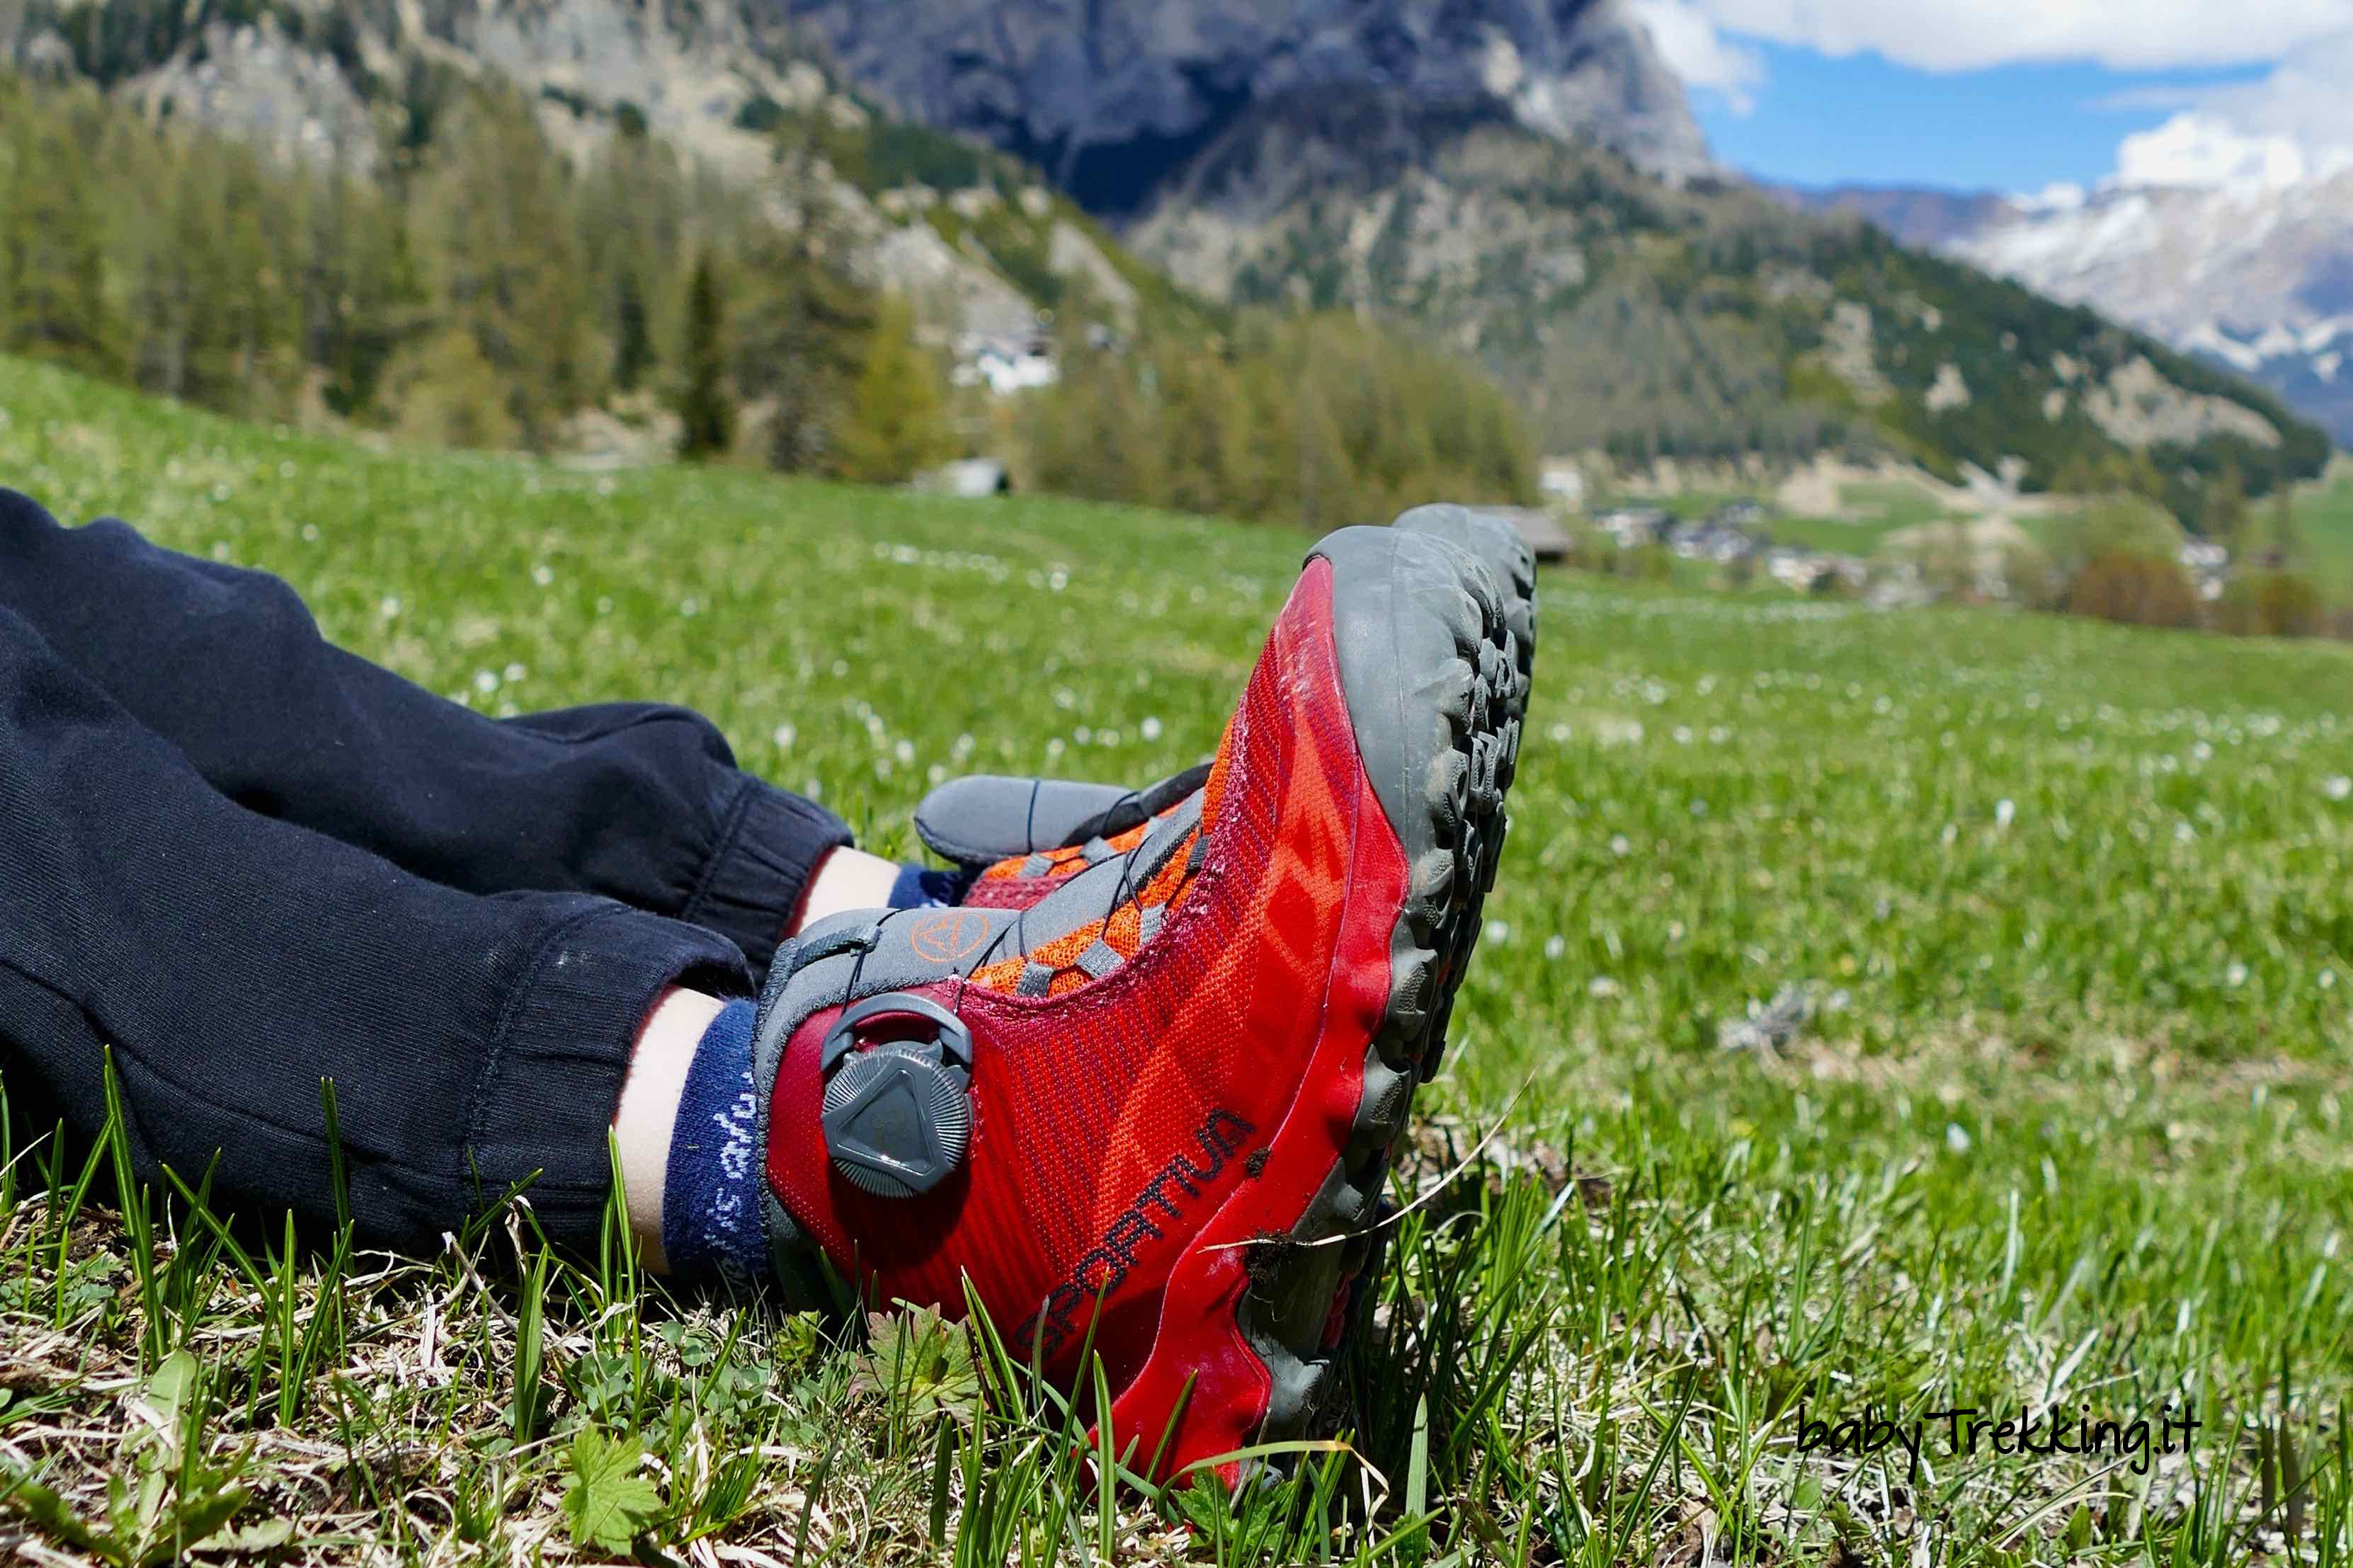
x=1122, y=934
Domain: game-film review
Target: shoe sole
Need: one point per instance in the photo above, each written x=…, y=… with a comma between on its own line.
x=1506, y=555
x=1429, y=670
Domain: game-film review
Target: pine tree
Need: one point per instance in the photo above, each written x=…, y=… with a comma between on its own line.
x=703, y=406
x=2287, y=533
x=897, y=425
x=633, y=348
x=497, y=211
x=450, y=395
x=52, y=248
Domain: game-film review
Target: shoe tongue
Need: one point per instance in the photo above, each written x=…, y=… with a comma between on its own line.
x=987, y=819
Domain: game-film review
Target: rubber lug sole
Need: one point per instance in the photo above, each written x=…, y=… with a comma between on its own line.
x=1513, y=566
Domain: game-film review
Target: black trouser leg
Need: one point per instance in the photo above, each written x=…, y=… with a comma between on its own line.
x=230, y=960
x=637, y=803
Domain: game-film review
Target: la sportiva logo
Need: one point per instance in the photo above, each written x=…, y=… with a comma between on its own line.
x=1177, y=1187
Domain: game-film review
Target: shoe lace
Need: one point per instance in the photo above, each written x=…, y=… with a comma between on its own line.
x=1129, y=893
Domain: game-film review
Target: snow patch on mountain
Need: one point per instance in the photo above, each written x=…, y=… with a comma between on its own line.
x=2243, y=254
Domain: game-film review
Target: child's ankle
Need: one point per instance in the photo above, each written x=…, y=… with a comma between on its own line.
x=646, y=1117
x=844, y=879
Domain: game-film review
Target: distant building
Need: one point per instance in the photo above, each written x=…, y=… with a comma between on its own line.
x=970, y=480
x=1006, y=366
x=1815, y=571
x=1715, y=541
x=1563, y=484
x=1745, y=513
x=1542, y=535
x=2208, y=566
x=1633, y=526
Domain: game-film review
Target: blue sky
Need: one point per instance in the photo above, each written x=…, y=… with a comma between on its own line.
x=1816, y=120
x=2014, y=95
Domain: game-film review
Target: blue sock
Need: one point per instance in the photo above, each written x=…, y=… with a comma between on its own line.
x=920, y=887
x=711, y=1220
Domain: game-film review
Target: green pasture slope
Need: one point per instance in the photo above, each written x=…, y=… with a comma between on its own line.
x=1934, y=1009
x=2324, y=514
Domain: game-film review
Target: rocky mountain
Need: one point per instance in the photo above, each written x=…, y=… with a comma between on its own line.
x=1114, y=97
x=1703, y=318
x=2256, y=275
x=1918, y=216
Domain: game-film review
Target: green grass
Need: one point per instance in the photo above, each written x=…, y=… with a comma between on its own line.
x=1874, y=511
x=2324, y=514
x=2032, y=937
x=1842, y=535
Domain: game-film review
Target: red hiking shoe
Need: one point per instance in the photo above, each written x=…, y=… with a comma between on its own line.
x=1171, y=1088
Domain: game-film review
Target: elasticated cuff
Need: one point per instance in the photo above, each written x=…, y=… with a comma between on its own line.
x=763, y=863
x=544, y=1112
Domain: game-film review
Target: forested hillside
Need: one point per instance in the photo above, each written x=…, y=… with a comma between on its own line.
x=483, y=294
x=1703, y=320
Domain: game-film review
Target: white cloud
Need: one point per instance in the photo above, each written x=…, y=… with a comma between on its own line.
x=2198, y=149
x=2295, y=124
x=1702, y=56
x=1966, y=35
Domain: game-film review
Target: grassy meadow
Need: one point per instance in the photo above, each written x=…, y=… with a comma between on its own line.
x=1880, y=1013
